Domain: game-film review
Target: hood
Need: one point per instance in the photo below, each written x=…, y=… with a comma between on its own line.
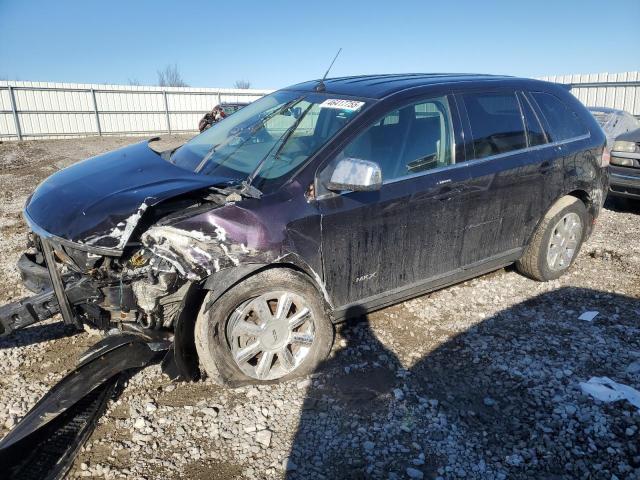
x=631, y=136
x=99, y=201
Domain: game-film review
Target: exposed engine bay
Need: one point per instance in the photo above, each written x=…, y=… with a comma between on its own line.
x=143, y=286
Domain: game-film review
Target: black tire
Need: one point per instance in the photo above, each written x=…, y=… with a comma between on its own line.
x=534, y=263
x=213, y=346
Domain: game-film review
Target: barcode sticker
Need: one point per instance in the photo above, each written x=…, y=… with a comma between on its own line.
x=341, y=104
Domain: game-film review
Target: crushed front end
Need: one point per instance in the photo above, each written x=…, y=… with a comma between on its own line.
x=86, y=256
x=104, y=291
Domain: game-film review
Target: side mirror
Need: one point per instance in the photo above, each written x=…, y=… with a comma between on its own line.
x=356, y=175
x=294, y=112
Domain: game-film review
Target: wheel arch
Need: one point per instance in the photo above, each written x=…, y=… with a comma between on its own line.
x=220, y=282
x=583, y=196
x=184, y=361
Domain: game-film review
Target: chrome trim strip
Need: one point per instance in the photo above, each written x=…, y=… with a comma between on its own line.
x=468, y=163
x=619, y=154
x=630, y=177
x=42, y=233
x=474, y=161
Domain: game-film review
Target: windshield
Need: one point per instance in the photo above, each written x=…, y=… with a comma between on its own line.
x=269, y=138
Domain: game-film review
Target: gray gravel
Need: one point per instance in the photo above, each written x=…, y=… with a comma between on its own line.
x=480, y=380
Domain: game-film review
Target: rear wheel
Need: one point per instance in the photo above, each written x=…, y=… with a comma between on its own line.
x=270, y=327
x=556, y=241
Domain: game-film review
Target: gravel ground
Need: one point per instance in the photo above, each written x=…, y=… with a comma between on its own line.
x=480, y=380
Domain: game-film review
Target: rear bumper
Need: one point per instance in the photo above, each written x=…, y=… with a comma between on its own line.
x=624, y=182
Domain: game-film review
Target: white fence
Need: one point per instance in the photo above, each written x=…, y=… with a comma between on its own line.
x=31, y=110
x=60, y=110
x=614, y=90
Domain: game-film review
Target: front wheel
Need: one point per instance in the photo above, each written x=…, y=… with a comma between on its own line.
x=270, y=327
x=556, y=242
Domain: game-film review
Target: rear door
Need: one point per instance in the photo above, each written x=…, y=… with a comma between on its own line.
x=506, y=176
x=383, y=242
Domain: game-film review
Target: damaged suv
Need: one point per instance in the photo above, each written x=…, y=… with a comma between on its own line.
x=247, y=243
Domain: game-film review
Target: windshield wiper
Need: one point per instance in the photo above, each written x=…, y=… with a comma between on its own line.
x=281, y=143
x=254, y=129
x=244, y=190
x=285, y=138
x=207, y=156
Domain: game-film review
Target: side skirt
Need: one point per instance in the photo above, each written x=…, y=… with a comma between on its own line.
x=377, y=302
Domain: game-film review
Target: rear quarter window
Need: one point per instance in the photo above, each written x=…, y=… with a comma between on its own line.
x=496, y=123
x=562, y=122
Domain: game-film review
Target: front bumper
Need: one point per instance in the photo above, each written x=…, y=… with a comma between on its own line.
x=52, y=291
x=624, y=181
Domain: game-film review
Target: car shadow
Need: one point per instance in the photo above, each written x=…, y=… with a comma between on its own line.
x=622, y=205
x=500, y=400
x=37, y=334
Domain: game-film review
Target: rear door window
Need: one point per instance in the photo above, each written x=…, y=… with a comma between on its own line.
x=496, y=123
x=535, y=131
x=563, y=123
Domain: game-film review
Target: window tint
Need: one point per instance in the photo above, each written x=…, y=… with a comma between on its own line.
x=410, y=140
x=535, y=132
x=563, y=123
x=496, y=123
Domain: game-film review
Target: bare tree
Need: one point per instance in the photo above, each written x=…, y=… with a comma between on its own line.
x=243, y=84
x=170, y=77
x=134, y=82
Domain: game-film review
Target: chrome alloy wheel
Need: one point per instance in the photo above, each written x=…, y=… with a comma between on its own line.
x=565, y=237
x=270, y=335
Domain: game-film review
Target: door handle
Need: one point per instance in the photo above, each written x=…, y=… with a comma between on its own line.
x=446, y=193
x=546, y=167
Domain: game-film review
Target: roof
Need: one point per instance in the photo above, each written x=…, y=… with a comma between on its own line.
x=605, y=110
x=380, y=86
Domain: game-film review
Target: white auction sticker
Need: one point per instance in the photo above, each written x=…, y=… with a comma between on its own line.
x=341, y=104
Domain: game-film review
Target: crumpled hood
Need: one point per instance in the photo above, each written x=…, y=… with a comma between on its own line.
x=99, y=201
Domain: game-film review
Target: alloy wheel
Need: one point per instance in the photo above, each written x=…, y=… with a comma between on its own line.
x=271, y=335
x=564, y=241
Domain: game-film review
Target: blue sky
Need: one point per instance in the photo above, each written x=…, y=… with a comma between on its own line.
x=277, y=43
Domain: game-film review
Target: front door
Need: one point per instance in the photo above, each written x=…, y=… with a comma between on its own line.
x=375, y=244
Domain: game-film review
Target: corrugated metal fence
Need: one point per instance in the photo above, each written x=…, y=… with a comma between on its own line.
x=60, y=110
x=614, y=90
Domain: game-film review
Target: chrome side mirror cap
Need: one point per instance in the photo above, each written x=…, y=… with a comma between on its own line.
x=355, y=174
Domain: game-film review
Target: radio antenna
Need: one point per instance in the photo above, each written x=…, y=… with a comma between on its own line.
x=321, y=87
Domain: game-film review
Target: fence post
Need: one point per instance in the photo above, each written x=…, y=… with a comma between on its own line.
x=166, y=110
x=95, y=109
x=12, y=99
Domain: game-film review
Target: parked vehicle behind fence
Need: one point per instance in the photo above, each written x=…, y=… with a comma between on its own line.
x=614, y=122
x=625, y=166
x=251, y=240
x=219, y=112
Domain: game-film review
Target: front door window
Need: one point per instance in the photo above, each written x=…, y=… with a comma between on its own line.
x=407, y=141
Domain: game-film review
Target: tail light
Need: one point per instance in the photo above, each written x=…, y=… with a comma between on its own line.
x=606, y=157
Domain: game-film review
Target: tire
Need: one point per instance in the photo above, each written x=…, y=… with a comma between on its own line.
x=242, y=338
x=537, y=262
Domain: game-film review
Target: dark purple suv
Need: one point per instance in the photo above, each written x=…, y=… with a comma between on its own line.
x=248, y=242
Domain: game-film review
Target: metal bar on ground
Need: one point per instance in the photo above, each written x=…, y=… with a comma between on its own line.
x=58, y=287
